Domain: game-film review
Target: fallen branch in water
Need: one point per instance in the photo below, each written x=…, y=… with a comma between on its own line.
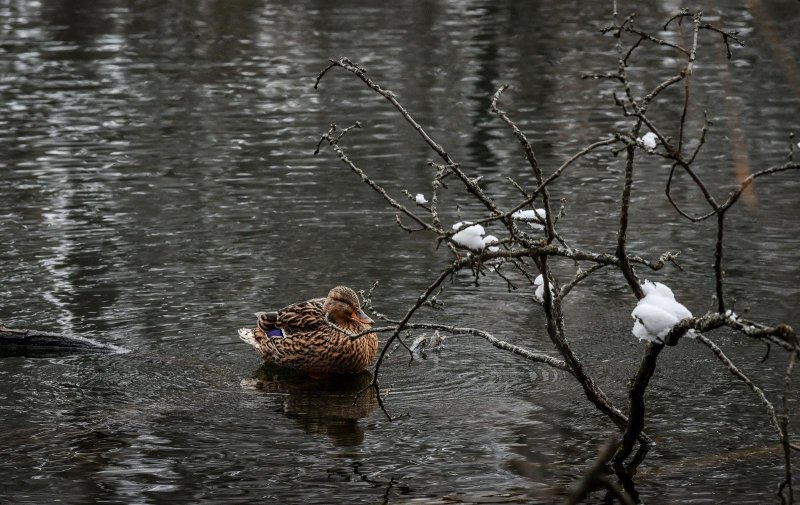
x=24, y=342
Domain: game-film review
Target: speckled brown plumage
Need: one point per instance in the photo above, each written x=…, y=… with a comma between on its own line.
x=298, y=337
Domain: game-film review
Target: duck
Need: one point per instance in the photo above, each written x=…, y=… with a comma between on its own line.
x=300, y=336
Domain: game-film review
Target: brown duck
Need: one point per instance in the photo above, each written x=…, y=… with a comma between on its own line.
x=298, y=336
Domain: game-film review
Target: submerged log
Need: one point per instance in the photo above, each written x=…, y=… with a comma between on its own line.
x=18, y=342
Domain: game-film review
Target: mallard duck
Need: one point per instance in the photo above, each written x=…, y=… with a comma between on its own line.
x=299, y=337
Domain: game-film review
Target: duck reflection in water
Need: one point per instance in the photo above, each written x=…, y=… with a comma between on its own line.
x=330, y=405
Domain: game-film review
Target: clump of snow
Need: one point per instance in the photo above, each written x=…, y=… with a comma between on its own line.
x=657, y=313
x=488, y=240
x=420, y=199
x=731, y=315
x=539, y=293
x=649, y=140
x=533, y=217
x=656, y=288
x=470, y=237
x=529, y=214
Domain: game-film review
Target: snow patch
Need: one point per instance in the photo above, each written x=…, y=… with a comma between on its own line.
x=657, y=313
x=534, y=217
x=489, y=240
x=539, y=293
x=470, y=236
x=649, y=140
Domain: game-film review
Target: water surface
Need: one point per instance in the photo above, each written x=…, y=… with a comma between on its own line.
x=159, y=186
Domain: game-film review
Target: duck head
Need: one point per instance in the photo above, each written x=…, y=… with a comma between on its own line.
x=342, y=306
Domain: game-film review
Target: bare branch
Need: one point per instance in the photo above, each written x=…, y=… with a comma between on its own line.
x=579, y=276
x=366, y=179
x=529, y=254
x=734, y=197
x=500, y=344
x=583, y=152
x=742, y=377
x=786, y=490
x=471, y=186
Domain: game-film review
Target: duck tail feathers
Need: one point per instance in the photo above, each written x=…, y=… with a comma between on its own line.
x=248, y=335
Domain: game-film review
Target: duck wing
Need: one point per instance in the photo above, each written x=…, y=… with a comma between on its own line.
x=300, y=316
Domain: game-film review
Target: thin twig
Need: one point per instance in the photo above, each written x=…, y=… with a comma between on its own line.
x=742, y=377
x=786, y=489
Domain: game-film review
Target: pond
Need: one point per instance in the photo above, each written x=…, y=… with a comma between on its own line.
x=159, y=186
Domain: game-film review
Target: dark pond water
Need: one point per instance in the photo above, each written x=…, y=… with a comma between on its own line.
x=159, y=186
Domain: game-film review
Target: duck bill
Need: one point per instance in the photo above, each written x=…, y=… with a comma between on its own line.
x=361, y=316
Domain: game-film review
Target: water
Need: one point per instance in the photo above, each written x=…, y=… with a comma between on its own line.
x=159, y=186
